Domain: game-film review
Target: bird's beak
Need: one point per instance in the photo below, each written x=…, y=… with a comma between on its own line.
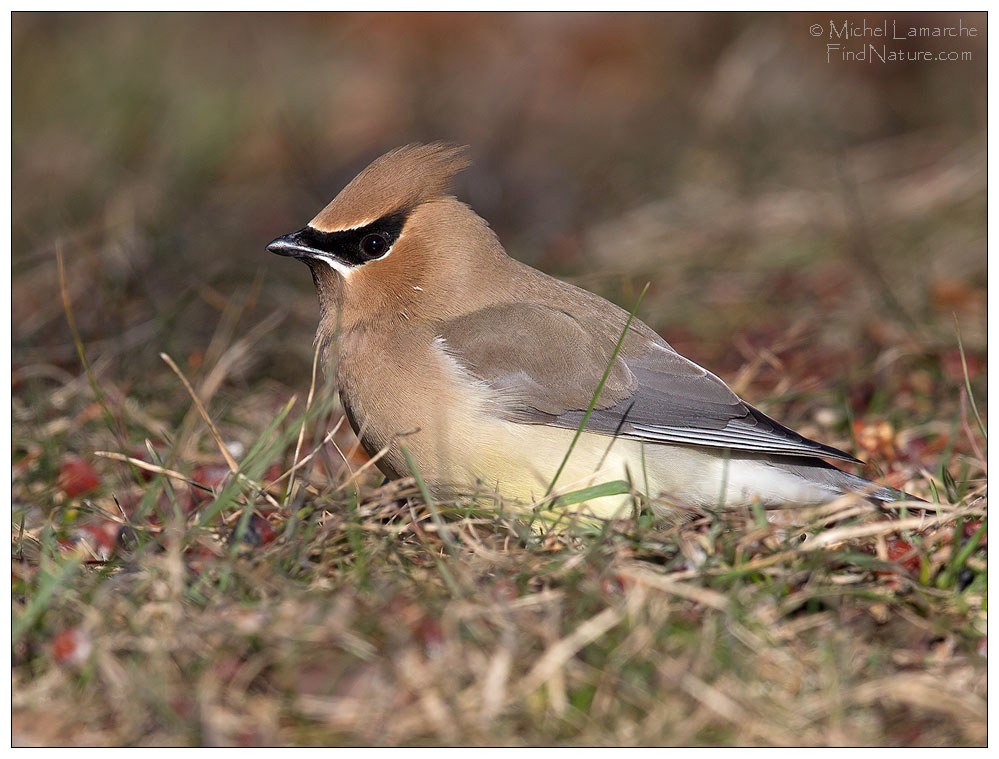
x=292, y=245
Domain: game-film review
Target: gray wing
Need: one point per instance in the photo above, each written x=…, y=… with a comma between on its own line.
x=546, y=364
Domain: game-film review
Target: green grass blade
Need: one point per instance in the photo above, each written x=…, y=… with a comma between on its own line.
x=438, y=521
x=967, y=381
x=253, y=465
x=80, y=352
x=947, y=576
x=435, y=515
x=261, y=441
x=21, y=624
x=614, y=487
x=596, y=395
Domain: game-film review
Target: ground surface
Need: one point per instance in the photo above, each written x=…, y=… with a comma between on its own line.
x=813, y=233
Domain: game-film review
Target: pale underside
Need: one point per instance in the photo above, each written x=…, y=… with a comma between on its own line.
x=518, y=461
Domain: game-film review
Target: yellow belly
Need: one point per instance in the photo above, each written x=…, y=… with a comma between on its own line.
x=519, y=462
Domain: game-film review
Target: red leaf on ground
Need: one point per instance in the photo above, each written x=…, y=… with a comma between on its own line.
x=261, y=532
x=953, y=367
x=210, y=476
x=970, y=528
x=71, y=646
x=183, y=707
x=76, y=476
x=905, y=554
x=272, y=473
x=613, y=586
x=198, y=556
x=430, y=633
x=142, y=454
x=949, y=294
x=102, y=538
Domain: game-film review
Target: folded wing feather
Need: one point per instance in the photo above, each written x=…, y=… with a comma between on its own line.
x=546, y=363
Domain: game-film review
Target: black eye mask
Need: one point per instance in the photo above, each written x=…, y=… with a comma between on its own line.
x=352, y=247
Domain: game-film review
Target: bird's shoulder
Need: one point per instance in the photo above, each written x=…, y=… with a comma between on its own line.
x=552, y=354
x=545, y=357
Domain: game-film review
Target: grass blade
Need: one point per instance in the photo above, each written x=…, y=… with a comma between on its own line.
x=233, y=466
x=78, y=344
x=967, y=381
x=438, y=521
x=435, y=516
x=600, y=387
x=20, y=625
x=301, y=431
x=614, y=487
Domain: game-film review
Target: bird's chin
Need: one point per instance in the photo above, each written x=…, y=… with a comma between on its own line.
x=330, y=264
x=326, y=276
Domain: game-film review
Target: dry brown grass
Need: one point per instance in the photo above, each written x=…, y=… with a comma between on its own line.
x=363, y=627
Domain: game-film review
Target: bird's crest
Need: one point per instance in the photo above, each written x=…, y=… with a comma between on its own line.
x=397, y=181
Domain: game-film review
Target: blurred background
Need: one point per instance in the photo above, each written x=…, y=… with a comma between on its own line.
x=813, y=230
x=758, y=187
x=719, y=156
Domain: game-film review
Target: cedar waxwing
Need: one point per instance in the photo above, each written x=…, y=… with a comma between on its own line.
x=483, y=367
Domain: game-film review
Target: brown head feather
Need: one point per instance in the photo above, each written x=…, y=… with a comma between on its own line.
x=398, y=181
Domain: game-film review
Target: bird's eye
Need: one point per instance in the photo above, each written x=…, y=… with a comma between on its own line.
x=373, y=245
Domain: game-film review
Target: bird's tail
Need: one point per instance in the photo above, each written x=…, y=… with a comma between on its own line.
x=840, y=482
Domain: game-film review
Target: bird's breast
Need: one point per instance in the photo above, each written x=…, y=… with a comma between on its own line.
x=398, y=391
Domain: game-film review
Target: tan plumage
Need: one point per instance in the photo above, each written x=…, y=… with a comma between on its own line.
x=401, y=179
x=486, y=365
